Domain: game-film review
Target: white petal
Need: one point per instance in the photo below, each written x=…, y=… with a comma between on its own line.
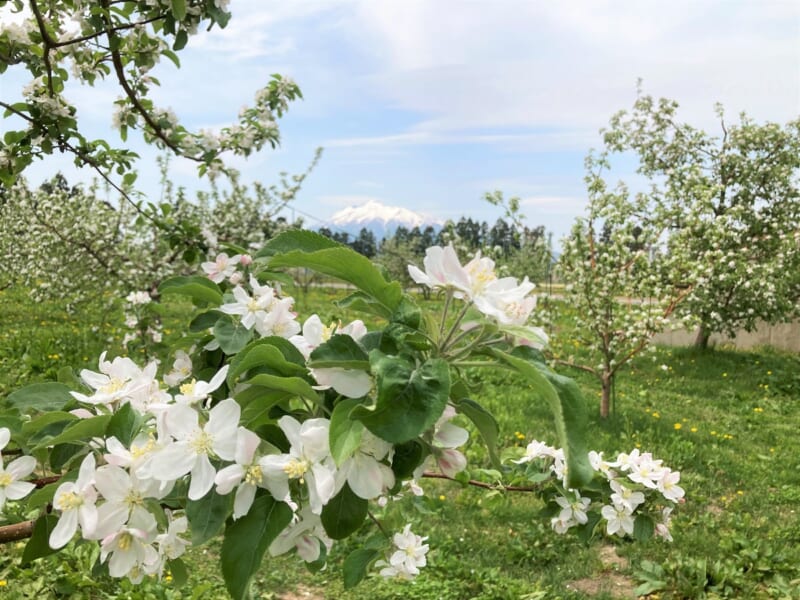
x=19, y=489
x=21, y=467
x=228, y=478
x=202, y=478
x=172, y=462
x=244, y=500
x=64, y=530
x=365, y=477
x=450, y=436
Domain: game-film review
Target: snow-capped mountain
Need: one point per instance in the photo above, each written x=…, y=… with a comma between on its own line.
x=378, y=218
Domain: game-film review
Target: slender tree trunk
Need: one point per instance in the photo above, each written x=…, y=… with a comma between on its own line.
x=605, y=400
x=701, y=341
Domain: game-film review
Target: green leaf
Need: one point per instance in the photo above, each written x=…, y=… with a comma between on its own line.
x=179, y=9
x=180, y=41
x=407, y=457
x=264, y=353
x=343, y=514
x=410, y=398
x=207, y=515
x=297, y=239
x=569, y=413
x=200, y=289
x=485, y=423
x=643, y=528
x=356, y=566
x=345, y=432
x=180, y=575
x=62, y=454
x=232, y=337
x=293, y=385
x=205, y=321
x=46, y=426
x=247, y=539
x=82, y=430
x=39, y=543
x=125, y=423
x=299, y=248
x=340, y=351
x=361, y=302
x=44, y=495
x=41, y=397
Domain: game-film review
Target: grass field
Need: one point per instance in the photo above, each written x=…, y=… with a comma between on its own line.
x=727, y=420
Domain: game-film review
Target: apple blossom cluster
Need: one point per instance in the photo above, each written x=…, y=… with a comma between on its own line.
x=505, y=299
x=122, y=497
x=631, y=482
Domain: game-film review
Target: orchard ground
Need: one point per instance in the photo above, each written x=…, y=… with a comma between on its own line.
x=726, y=420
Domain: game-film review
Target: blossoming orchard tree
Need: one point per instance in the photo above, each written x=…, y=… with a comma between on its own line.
x=620, y=284
x=275, y=434
x=714, y=241
x=734, y=204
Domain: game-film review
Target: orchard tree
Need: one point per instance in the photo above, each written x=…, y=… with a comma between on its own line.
x=620, y=284
x=734, y=204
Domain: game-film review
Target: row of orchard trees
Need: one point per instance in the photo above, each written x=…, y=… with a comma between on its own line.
x=74, y=242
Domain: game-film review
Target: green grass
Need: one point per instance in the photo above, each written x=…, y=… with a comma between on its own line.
x=727, y=420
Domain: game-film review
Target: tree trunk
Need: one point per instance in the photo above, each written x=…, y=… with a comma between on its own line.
x=701, y=341
x=605, y=401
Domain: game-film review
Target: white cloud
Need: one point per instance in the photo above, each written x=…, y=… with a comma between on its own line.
x=523, y=64
x=343, y=200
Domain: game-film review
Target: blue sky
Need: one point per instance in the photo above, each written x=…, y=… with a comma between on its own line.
x=428, y=105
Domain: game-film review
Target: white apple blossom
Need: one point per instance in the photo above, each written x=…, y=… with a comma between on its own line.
x=193, y=445
x=250, y=309
x=76, y=502
x=625, y=496
x=221, y=268
x=131, y=548
x=364, y=472
x=409, y=557
x=196, y=392
x=245, y=474
x=181, y=369
x=124, y=496
x=667, y=484
x=573, y=509
x=11, y=486
x=304, y=533
x=619, y=519
x=138, y=298
x=309, y=460
x=117, y=381
x=442, y=270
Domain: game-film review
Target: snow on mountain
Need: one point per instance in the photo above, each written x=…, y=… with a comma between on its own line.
x=382, y=220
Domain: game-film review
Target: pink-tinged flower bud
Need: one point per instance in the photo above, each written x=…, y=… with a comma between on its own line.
x=451, y=462
x=245, y=260
x=236, y=278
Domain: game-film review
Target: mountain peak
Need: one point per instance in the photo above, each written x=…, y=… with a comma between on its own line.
x=379, y=218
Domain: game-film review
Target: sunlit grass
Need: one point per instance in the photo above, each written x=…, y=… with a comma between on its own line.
x=727, y=420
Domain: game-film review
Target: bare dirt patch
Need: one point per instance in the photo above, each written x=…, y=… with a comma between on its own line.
x=302, y=593
x=608, y=581
x=615, y=584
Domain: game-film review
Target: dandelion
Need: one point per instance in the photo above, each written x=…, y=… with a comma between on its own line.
x=677, y=426
x=693, y=430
